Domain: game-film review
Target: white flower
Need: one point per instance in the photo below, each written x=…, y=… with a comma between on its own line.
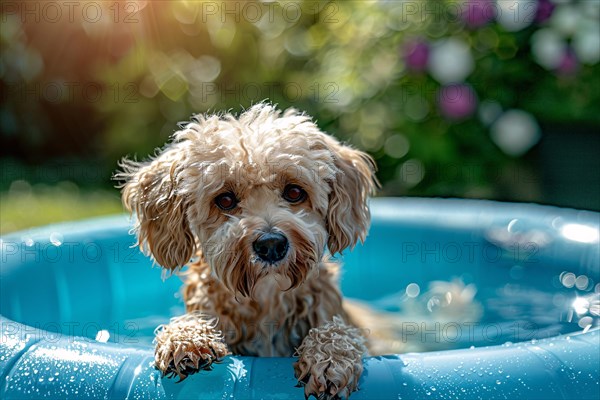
x=565, y=19
x=548, y=48
x=515, y=132
x=450, y=61
x=515, y=15
x=586, y=41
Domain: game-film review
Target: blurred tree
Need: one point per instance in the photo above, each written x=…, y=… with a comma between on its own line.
x=450, y=97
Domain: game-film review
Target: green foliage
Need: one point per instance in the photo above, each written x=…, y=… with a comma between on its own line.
x=344, y=63
x=25, y=206
x=347, y=63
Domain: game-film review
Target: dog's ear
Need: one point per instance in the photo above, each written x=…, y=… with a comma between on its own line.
x=150, y=190
x=348, y=216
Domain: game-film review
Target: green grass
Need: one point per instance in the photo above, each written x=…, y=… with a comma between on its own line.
x=24, y=206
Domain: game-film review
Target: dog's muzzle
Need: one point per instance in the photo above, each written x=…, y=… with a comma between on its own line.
x=271, y=247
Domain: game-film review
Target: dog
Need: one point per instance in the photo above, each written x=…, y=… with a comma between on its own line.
x=250, y=205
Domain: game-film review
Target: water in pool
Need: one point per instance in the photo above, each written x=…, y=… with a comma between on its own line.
x=428, y=303
x=453, y=314
x=449, y=314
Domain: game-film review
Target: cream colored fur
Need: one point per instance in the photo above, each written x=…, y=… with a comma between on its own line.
x=259, y=309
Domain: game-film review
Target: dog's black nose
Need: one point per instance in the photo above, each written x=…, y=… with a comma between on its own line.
x=271, y=247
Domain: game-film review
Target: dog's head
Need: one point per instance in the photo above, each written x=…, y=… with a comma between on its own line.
x=259, y=195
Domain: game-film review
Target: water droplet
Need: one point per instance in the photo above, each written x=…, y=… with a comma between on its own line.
x=412, y=290
x=102, y=336
x=56, y=238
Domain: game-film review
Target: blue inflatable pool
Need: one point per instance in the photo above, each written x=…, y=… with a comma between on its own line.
x=79, y=305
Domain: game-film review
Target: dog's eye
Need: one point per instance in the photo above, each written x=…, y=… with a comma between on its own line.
x=226, y=201
x=294, y=194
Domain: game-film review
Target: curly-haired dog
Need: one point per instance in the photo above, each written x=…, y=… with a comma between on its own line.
x=255, y=200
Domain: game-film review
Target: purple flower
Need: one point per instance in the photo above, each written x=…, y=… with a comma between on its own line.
x=544, y=11
x=416, y=54
x=478, y=12
x=569, y=64
x=457, y=101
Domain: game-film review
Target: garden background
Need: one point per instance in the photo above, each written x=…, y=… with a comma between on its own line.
x=475, y=98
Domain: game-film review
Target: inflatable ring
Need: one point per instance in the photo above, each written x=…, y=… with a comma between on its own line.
x=79, y=305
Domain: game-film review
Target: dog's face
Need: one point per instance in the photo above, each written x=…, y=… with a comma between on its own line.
x=260, y=196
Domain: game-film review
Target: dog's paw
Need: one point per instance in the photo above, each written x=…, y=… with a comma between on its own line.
x=187, y=345
x=327, y=379
x=330, y=361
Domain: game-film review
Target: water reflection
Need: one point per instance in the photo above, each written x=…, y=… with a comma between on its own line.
x=580, y=233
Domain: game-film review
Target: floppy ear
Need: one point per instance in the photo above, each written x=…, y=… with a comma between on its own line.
x=348, y=216
x=150, y=191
